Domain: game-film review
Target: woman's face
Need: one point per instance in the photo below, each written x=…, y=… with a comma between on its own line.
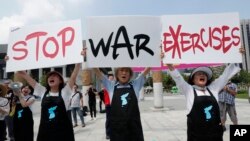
x=200, y=79
x=26, y=90
x=123, y=75
x=54, y=80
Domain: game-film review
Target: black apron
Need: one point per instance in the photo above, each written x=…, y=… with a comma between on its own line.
x=54, y=124
x=125, y=121
x=203, y=122
x=23, y=123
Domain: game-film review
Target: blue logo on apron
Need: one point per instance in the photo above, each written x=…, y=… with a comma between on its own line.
x=207, y=112
x=20, y=113
x=52, y=112
x=124, y=100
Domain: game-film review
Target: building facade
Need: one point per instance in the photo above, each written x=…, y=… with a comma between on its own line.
x=245, y=42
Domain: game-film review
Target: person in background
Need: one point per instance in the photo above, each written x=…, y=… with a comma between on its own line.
x=69, y=112
x=23, y=117
x=92, y=101
x=76, y=103
x=101, y=96
x=227, y=103
x=9, y=118
x=4, y=111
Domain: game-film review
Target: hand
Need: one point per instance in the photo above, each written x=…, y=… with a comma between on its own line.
x=242, y=50
x=6, y=58
x=21, y=73
x=84, y=52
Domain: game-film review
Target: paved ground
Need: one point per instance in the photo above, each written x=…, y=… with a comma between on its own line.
x=167, y=124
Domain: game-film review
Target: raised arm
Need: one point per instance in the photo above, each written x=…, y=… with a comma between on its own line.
x=23, y=74
x=171, y=67
x=98, y=73
x=73, y=76
x=146, y=71
x=25, y=103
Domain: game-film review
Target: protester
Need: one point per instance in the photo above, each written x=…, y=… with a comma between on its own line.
x=9, y=118
x=92, y=92
x=23, y=117
x=125, y=121
x=76, y=102
x=203, y=118
x=101, y=96
x=227, y=103
x=203, y=112
x=4, y=111
x=54, y=123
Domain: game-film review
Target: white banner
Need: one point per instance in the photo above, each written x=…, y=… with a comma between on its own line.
x=203, y=38
x=123, y=41
x=47, y=45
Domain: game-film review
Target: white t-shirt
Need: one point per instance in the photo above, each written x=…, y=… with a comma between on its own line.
x=4, y=106
x=40, y=90
x=214, y=87
x=75, y=100
x=30, y=99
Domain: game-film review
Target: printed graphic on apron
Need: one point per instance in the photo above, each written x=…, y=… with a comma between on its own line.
x=20, y=113
x=52, y=112
x=207, y=112
x=124, y=100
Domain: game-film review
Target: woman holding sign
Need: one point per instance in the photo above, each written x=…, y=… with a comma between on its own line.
x=125, y=121
x=54, y=123
x=203, y=118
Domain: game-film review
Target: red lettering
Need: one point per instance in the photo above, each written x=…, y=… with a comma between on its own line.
x=41, y=39
x=218, y=30
x=202, y=38
x=36, y=35
x=225, y=39
x=52, y=55
x=218, y=38
x=237, y=42
x=16, y=47
x=195, y=42
x=183, y=42
x=63, y=34
x=175, y=46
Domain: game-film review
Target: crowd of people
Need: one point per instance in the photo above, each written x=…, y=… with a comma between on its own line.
x=207, y=102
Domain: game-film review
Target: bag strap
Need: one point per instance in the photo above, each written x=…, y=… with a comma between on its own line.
x=74, y=94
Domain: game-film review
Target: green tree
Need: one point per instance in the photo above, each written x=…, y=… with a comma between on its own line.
x=149, y=82
x=43, y=80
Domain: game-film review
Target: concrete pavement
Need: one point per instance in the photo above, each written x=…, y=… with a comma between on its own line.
x=167, y=124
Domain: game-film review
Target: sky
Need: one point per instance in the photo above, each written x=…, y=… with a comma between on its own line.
x=18, y=13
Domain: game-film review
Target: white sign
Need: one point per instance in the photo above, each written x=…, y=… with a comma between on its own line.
x=203, y=38
x=123, y=41
x=43, y=46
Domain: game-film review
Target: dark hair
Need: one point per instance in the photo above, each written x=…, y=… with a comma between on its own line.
x=61, y=85
x=31, y=89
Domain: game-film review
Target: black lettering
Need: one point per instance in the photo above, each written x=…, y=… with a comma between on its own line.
x=143, y=44
x=122, y=30
x=105, y=48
